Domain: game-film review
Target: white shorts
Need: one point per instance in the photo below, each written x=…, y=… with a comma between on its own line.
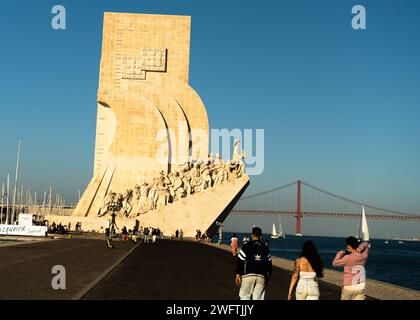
x=307, y=289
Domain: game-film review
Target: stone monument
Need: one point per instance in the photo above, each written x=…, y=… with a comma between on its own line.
x=152, y=135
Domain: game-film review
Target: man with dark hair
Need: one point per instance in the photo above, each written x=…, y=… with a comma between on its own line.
x=254, y=268
x=353, y=259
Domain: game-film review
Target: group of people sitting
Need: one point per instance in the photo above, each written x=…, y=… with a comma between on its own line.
x=58, y=228
x=202, y=236
x=62, y=229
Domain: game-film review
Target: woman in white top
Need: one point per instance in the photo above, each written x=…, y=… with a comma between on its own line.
x=308, y=269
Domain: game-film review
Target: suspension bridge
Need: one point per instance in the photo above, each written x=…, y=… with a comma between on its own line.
x=300, y=199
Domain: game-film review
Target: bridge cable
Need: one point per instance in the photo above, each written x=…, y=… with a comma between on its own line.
x=356, y=202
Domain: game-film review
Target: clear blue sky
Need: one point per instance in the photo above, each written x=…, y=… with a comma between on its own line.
x=340, y=108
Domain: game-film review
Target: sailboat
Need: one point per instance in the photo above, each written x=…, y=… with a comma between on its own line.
x=275, y=234
x=364, y=230
x=386, y=242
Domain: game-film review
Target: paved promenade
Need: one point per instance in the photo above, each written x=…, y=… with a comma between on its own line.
x=185, y=270
x=25, y=269
x=167, y=270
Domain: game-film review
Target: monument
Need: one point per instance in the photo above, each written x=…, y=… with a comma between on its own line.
x=152, y=159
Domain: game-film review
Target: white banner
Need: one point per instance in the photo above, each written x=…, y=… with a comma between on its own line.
x=16, y=230
x=25, y=219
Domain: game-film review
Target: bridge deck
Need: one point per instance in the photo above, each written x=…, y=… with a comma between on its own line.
x=326, y=214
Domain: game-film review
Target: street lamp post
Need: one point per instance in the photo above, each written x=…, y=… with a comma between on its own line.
x=113, y=207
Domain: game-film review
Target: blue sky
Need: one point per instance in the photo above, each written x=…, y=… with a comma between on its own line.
x=340, y=108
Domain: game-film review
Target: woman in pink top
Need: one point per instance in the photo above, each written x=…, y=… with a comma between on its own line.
x=234, y=244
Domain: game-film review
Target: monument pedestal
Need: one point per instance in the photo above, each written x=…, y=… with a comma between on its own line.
x=196, y=212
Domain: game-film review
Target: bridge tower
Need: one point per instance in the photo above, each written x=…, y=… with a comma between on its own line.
x=298, y=210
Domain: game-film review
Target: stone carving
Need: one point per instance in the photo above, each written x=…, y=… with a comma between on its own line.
x=125, y=203
x=150, y=59
x=143, y=200
x=189, y=178
x=109, y=200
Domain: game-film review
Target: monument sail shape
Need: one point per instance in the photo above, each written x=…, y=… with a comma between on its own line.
x=152, y=134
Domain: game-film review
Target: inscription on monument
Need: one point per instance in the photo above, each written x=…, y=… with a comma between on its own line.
x=150, y=59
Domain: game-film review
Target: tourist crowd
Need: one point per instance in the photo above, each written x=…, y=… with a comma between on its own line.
x=62, y=228
x=254, y=268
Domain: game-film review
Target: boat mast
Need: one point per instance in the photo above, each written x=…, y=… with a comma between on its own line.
x=7, y=198
x=3, y=190
x=280, y=226
x=16, y=178
x=50, y=201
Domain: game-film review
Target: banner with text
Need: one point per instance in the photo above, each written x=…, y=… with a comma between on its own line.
x=16, y=230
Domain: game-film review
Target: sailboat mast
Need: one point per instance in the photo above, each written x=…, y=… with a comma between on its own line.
x=280, y=226
x=2, y=201
x=15, y=185
x=3, y=187
x=7, y=198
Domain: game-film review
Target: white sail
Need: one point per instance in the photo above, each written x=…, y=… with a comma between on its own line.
x=364, y=230
x=274, y=233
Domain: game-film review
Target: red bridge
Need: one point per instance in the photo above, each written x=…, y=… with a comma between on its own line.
x=300, y=199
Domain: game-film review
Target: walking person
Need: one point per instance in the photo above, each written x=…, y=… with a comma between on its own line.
x=181, y=234
x=254, y=268
x=124, y=234
x=154, y=235
x=234, y=244
x=146, y=235
x=108, y=239
x=353, y=259
x=176, y=234
x=308, y=269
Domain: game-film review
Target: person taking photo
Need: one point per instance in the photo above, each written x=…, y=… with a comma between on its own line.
x=353, y=259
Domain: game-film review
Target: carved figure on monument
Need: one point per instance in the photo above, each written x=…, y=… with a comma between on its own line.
x=197, y=181
x=154, y=193
x=186, y=179
x=211, y=158
x=218, y=170
x=135, y=201
x=144, y=203
x=119, y=204
x=206, y=175
x=230, y=168
x=126, y=206
x=236, y=153
x=163, y=192
x=237, y=166
x=109, y=199
x=241, y=165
